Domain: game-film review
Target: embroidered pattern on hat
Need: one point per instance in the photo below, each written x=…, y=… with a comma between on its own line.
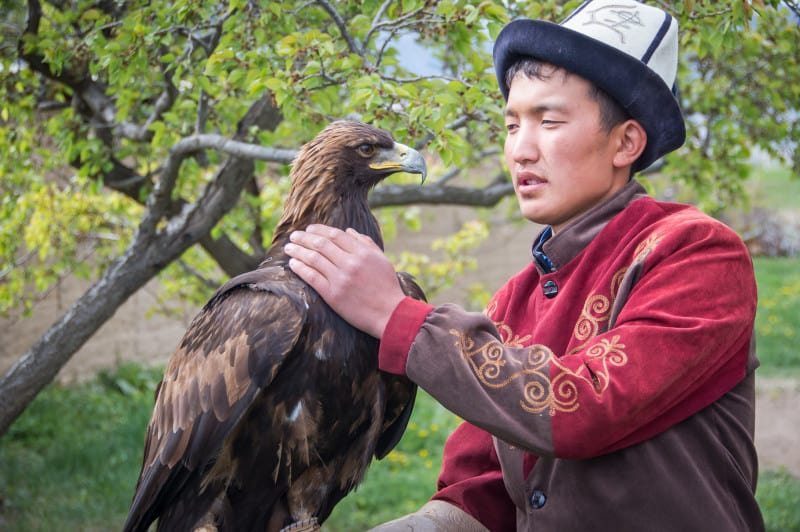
x=616, y=18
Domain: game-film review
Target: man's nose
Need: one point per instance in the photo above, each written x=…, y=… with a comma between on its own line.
x=524, y=145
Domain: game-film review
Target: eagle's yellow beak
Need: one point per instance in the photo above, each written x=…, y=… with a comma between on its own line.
x=400, y=158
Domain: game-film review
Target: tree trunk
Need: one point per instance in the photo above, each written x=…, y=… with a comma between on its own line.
x=39, y=366
x=142, y=260
x=150, y=251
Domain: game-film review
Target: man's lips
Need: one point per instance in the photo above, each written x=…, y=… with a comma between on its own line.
x=529, y=181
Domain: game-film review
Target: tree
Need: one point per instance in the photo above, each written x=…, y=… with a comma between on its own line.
x=135, y=130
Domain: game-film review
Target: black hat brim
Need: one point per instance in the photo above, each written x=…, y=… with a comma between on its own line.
x=636, y=87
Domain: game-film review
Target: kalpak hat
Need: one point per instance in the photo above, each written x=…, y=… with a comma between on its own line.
x=626, y=48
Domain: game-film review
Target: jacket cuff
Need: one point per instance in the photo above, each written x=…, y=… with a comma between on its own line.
x=400, y=332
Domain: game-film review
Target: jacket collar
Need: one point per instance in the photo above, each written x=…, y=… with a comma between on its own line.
x=572, y=239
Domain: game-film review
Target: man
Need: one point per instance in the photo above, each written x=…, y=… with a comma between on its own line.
x=610, y=384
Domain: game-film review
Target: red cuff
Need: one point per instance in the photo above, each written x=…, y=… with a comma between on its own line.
x=400, y=332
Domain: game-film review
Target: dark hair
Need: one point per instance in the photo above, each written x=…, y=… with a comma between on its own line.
x=611, y=113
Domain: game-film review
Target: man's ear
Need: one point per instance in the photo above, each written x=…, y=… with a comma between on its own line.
x=632, y=140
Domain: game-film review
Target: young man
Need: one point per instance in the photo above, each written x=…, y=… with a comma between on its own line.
x=610, y=384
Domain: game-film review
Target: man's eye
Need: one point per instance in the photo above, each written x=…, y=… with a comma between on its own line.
x=366, y=150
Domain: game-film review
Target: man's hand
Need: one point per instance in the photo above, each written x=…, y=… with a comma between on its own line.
x=350, y=272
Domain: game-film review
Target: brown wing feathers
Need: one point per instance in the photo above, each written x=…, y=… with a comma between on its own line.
x=272, y=407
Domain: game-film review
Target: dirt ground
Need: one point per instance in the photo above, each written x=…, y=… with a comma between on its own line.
x=133, y=336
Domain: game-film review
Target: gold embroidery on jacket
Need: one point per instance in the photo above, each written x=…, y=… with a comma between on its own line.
x=496, y=367
x=645, y=247
x=597, y=307
x=595, y=311
x=616, y=282
x=506, y=334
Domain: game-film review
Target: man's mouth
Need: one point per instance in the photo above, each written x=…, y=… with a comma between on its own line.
x=528, y=179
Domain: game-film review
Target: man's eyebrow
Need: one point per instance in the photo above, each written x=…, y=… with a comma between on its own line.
x=535, y=109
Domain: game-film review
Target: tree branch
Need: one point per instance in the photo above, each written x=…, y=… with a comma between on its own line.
x=394, y=195
x=139, y=263
x=191, y=144
x=342, y=25
x=392, y=25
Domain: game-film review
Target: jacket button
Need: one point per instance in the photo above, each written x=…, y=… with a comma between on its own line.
x=550, y=289
x=538, y=498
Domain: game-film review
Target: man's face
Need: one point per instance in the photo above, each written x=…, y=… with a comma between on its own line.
x=560, y=157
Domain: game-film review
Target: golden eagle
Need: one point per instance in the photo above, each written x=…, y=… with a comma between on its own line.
x=272, y=406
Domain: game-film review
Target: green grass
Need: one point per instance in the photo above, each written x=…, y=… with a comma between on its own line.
x=71, y=460
x=778, y=314
x=778, y=496
x=774, y=187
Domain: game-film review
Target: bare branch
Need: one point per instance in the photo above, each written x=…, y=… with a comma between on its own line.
x=394, y=30
x=394, y=195
x=455, y=124
x=449, y=176
x=456, y=171
x=342, y=25
x=211, y=284
x=18, y=262
x=378, y=16
x=392, y=25
x=421, y=78
x=141, y=261
x=200, y=124
x=160, y=199
x=231, y=147
x=163, y=104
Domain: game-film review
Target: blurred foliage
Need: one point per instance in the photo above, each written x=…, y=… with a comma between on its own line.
x=739, y=85
x=94, y=89
x=450, y=257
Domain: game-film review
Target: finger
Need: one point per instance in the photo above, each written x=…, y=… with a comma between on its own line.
x=319, y=243
x=363, y=238
x=312, y=277
x=350, y=240
x=310, y=258
x=325, y=231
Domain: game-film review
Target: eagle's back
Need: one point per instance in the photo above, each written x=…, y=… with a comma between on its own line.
x=230, y=351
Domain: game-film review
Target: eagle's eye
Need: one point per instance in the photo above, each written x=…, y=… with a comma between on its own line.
x=366, y=150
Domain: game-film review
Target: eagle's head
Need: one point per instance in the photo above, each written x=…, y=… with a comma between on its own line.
x=349, y=157
x=333, y=173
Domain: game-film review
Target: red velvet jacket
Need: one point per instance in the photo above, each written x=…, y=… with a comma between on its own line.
x=619, y=388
